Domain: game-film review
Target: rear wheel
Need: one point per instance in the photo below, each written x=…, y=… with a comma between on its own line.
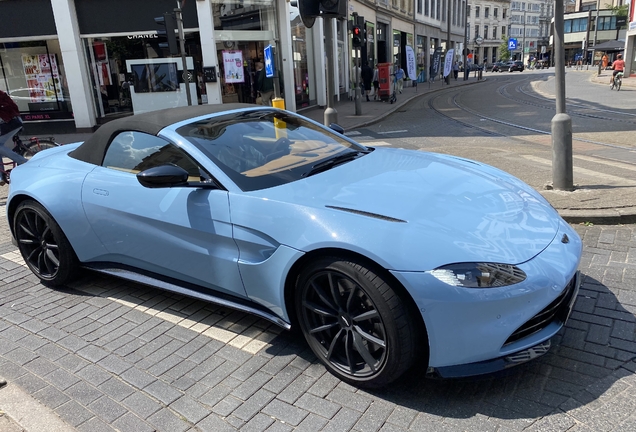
x=358, y=326
x=43, y=245
x=618, y=84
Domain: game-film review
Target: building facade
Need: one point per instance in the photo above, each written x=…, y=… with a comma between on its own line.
x=488, y=25
x=530, y=25
x=74, y=64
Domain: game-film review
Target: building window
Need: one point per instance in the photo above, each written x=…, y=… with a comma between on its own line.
x=485, y=32
x=419, y=6
x=494, y=32
x=486, y=12
x=503, y=30
x=495, y=12
x=476, y=11
x=476, y=31
x=468, y=10
x=607, y=23
x=427, y=7
x=503, y=13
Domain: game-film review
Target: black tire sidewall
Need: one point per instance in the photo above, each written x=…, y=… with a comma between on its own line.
x=380, y=293
x=69, y=264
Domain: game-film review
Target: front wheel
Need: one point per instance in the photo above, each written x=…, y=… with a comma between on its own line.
x=357, y=325
x=618, y=85
x=43, y=245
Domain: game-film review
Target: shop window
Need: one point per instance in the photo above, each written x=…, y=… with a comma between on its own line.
x=32, y=73
x=244, y=15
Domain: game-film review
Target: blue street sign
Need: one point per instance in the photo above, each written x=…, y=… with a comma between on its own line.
x=512, y=44
x=269, y=62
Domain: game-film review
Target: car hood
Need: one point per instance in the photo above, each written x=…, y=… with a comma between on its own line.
x=401, y=202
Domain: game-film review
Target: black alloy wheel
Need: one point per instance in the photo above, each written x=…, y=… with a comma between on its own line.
x=355, y=323
x=43, y=245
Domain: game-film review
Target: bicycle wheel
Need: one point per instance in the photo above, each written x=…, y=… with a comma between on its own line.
x=36, y=146
x=618, y=85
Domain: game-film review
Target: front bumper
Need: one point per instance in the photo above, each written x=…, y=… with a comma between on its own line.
x=478, y=329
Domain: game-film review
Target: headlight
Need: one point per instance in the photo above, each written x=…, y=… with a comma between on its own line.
x=479, y=275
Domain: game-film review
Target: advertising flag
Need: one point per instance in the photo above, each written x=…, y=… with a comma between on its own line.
x=448, y=62
x=410, y=63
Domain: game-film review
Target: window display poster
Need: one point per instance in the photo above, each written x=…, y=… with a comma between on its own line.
x=233, y=66
x=42, y=77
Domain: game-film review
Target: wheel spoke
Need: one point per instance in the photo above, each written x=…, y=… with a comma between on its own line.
x=52, y=258
x=366, y=316
x=333, y=343
x=318, y=290
x=363, y=351
x=323, y=328
x=33, y=252
x=335, y=294
x=27, y=229
x=319, y=309
x=369, y=337
x=352, y=292
x=349, y=352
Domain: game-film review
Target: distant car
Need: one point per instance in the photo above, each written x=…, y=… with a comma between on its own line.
x=515, y=66
x=500, y=67
x=383, y=257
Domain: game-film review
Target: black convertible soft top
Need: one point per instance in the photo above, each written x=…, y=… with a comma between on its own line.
x=93, y=149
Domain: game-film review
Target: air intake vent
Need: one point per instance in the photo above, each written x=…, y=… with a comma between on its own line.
x=368, y=214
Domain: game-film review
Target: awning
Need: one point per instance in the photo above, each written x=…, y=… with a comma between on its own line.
x=615, y=45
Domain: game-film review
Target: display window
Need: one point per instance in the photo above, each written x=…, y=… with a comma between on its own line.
x=32, y=73
x=133, y=74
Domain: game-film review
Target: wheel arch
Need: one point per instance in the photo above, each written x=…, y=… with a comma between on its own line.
x=296, y=268
x=15, y=202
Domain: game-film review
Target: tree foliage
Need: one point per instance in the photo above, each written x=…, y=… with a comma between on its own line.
x=620, y=11
x=504, y=53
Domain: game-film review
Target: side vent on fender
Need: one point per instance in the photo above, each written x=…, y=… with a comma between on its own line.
x=368, y=214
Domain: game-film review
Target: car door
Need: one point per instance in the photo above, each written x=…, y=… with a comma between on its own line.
x=179, y=232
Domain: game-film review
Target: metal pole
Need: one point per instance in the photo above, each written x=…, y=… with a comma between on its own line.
x=357, y=71
x=598, y=6
x=330, y=115
x=586, y=42
x=466, y=41
x=448, y=33
x=562, y=170
x=186, y=74
x=523, y=46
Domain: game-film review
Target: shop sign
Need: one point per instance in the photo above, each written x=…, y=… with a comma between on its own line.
x=143, y=36
x=233, y=66
x=42, y=77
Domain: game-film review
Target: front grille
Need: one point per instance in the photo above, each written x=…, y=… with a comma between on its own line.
x=558, y=310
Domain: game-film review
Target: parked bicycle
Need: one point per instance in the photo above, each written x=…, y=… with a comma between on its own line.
x=618, y=80
x=26, y=147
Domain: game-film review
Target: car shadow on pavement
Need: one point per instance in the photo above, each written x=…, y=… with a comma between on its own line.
x=592, y=352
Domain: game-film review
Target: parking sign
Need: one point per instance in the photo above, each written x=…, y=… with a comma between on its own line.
x=269, y=62
x=512, y=44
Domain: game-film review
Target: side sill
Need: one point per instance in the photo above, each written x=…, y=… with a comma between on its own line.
x=190, y=291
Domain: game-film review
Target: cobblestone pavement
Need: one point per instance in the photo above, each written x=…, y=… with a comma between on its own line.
x=105, y=354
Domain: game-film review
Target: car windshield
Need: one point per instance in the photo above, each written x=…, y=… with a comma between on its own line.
x=264, y=148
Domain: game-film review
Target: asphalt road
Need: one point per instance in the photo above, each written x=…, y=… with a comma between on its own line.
x=108, y=355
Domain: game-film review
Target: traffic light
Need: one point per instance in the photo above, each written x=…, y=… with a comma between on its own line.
x=356, y=31
x=311, y=9
x=169, y=24
x=361, y=23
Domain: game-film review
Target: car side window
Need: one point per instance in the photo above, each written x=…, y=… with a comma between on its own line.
x=136, y=151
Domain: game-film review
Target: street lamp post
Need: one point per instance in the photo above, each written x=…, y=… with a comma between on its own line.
x=523, y=45
x=598, y=6
x=466, y=41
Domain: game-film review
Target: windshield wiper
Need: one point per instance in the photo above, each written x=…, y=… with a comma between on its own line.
x=334, y=161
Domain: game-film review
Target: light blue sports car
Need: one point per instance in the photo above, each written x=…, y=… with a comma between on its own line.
x=384, y=258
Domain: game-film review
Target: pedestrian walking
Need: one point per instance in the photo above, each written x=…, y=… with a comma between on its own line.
x=455, y=70
x=376, y=82
x=264, y=85
x=367, y=78
x=399, y=77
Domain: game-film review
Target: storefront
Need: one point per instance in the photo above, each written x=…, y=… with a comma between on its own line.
x=31, y=66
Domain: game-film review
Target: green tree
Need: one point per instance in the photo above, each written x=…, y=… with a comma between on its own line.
x=504, y=53
x=620, y=11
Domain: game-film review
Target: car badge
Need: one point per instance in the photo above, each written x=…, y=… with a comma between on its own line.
x=565, y=239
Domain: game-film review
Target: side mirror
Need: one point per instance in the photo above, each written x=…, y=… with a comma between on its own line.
x=163, y=176
x=337, y=128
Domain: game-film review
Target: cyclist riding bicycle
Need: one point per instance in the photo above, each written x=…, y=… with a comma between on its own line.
x=618, y=66
x=10, y=123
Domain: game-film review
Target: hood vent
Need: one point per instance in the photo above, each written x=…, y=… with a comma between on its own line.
x=368, y=214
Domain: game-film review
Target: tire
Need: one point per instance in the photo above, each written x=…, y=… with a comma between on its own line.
x=618, y=86
x=357, y=325
x=43, y=245
x=34, y=147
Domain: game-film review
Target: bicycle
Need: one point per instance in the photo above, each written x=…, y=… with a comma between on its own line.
x=618, y=80
x=26, y=148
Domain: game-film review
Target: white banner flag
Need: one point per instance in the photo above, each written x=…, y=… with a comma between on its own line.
x=448, y=62
x=410, y=63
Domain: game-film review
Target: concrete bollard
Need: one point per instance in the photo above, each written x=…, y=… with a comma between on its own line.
x=562, y=167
